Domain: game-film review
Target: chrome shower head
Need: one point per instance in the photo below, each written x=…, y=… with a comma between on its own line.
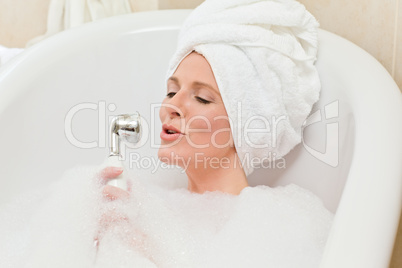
x=124, y=127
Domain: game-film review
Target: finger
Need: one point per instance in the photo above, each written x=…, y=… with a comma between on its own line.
x=113, y=193
x=110, y=173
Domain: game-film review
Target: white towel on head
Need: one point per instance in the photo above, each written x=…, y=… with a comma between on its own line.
x=262, y=54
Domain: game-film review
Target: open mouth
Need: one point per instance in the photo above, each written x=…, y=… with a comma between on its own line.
x=170, y=133
x=170, y=129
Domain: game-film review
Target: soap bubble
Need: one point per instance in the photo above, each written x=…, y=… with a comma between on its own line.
x=158, y=226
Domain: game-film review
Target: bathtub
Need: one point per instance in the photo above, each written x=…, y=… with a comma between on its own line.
x=57, y=98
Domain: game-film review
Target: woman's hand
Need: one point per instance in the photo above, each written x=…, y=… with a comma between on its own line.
x=111, y=192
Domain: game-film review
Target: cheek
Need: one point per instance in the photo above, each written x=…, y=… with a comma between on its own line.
x=199, y=132
x=223, y=134
x=199, y=124
x=218, y=125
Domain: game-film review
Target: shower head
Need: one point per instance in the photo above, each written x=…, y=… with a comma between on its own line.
x=124, y=127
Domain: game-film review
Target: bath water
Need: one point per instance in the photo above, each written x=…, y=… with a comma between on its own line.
x=159, y=227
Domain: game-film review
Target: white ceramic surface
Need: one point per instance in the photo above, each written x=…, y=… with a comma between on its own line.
x=352, y=151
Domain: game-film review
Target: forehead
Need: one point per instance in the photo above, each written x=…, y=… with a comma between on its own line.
x=195, y=68
x=195, y=84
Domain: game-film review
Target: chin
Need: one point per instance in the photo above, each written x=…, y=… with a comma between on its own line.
x=162, y=153
x=173, y=157
x=166, y=155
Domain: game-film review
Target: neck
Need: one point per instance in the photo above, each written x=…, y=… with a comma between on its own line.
x=228, y=180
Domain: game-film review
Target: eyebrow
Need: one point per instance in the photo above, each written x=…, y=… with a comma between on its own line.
x=195, y=83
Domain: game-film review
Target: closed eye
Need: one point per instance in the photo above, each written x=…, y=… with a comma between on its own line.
x=170, y=94
x=203, y=101
x=199, y=99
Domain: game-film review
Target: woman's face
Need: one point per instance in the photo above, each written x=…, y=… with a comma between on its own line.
x=195, y=123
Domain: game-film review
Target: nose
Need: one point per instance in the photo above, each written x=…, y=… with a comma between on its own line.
x=175, y=106
x=173, y=112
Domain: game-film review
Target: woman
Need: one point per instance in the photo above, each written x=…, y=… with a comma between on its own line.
x=194, y=106
x=239, y=87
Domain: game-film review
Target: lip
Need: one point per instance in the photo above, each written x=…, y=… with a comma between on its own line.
x=170, y=137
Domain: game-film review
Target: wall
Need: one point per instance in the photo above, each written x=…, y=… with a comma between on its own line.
x=21, y=21
x=172, y=4
x=374, y=25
